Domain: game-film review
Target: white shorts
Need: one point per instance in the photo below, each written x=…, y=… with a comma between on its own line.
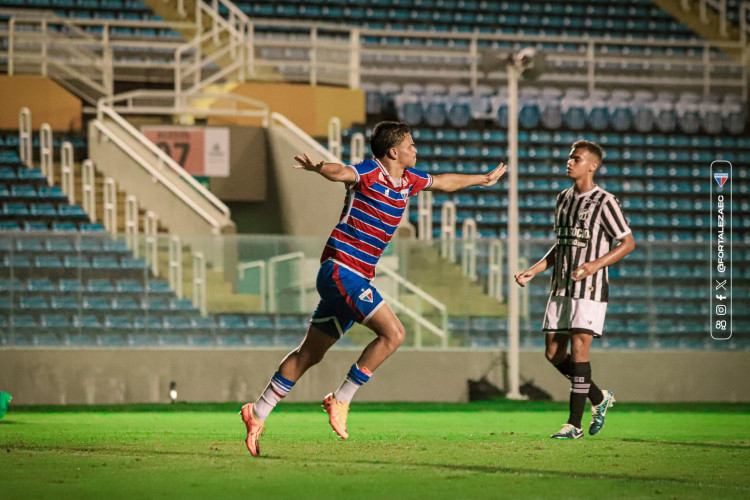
x=565, y=315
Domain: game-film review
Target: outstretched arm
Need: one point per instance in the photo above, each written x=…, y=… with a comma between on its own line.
x=548, y=261
x=332, y=171
x=454, y=182
x=626, y=245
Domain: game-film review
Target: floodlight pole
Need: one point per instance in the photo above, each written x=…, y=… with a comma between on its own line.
x=513, y=302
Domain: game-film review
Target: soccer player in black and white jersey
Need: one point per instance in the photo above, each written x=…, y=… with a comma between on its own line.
x=592, y=234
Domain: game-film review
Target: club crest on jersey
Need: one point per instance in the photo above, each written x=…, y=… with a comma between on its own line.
x=584, y=214
x=366, y=295
x=404, y=193
x=721, y=178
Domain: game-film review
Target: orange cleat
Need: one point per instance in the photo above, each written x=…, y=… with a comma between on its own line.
x=255, y=429
x=337, y=413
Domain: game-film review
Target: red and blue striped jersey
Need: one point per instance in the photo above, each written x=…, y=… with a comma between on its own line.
x=374, y=205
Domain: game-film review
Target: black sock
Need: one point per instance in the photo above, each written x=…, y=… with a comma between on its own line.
x=579, y=391
x=566, y=368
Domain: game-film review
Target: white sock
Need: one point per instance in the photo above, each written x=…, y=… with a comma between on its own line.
x=275, y=391
x=354, y=380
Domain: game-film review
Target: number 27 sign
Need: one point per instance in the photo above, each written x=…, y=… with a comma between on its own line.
x=199, y=150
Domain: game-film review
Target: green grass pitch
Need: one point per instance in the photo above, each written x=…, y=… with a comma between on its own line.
x=402, y=450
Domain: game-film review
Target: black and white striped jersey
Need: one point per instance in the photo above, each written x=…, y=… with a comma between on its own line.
x=588, y=226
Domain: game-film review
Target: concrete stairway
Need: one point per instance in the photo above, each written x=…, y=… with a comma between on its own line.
x=444, y=281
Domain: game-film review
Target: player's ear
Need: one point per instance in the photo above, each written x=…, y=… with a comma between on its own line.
x=392, y=153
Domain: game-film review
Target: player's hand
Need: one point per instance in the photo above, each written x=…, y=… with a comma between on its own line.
x=492, y=177
x=304, y=162
x=523, y=277
x=584, y=271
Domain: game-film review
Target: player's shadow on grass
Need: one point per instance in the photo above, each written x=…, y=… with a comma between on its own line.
x=487, y=469
x=686, y=443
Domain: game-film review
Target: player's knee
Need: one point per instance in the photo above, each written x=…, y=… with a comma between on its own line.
x=395, y=336
x=313, y=358
x=308, y=356
x=554, y=356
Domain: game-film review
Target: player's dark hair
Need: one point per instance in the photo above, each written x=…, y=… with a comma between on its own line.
x=387, y=135
x=592, y=148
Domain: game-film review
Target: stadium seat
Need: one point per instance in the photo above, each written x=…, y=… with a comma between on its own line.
x=71, y=286
x=171, y=339
x=200, y=340
x=149, y=304
x=76, y=262
x=8, y=285
x=148, y=323
x=177, y=323
x=110, y=339
x=124, y=304
x=33, y=302
x=96, y=304
x=64, y=227
x=64, y=303
x=129, y=287
x=204, y=323
x=159, y=287
x=100, y=286
x=54, y=321
x=106, y=263
x=57, y=246
x=40, y=285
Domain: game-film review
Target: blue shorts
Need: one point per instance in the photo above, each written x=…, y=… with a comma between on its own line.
x=345, y=297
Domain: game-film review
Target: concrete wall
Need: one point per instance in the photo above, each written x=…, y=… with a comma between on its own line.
x=48, y=102
x=97, y=376
x=111, y=158
x=248, y=169
x=309, y=107
x=298, y=203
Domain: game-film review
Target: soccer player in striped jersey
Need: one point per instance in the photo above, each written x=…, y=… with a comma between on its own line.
x=592, y=234
x=377, y=192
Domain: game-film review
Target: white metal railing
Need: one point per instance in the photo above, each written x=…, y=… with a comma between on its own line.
x=88, y=189
x=158, y=161
x=495, y=277
x=24, y=137
x=174, y=265
x=199, y=282
x=131, y=224
x=46, y=152
x=424, y=215
x=744, y=25
x=334, y=136
x=150, y=229
x=109, y=205
x=272, y=284
x=441, y=330
x=523, y=263
x=324, y=53
x=50, y=45
x=448, y=231
x=262, y=288
x=218, y=51
x=718, y=6
x=469, y=254
x=357, y=150
x=67, y=181
x=279, y=120
x=167, y=102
